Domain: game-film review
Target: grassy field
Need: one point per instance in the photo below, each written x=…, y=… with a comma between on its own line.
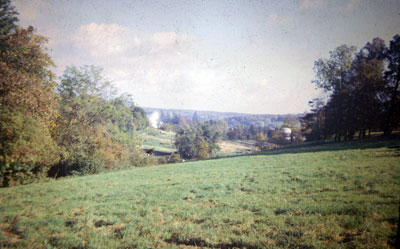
x=342, y=195
x=160, y=140
x=234, y=148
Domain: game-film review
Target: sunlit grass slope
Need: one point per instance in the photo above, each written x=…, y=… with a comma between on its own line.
x=324, y=196
x=160, y=140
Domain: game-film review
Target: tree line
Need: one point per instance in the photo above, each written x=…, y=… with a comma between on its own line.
x=361, y=92
x=77, y=125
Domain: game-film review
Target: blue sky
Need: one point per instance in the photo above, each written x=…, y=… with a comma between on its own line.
x=239, y=56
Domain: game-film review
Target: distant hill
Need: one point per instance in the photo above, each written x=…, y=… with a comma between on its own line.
x=232, y=118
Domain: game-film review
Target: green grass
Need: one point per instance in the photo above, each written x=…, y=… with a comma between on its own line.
x=160, y=140
x=235, y=148
x=342, y=195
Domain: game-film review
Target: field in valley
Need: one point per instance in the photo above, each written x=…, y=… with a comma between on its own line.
x=335, y=195
x=238, y=147
x=161, y=141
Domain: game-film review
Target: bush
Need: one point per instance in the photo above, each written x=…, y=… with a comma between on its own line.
x=162, y=160
x=175, y=158
x=167, y=127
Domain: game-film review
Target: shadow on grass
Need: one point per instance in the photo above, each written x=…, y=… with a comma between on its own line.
x=392, y=143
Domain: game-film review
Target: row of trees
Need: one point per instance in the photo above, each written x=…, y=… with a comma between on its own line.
x=361, y=89
x=75, y=126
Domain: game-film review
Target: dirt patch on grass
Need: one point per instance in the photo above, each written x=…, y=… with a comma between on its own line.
x=205, y=243
x=10, y=233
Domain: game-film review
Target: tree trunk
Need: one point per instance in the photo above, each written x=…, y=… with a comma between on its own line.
x=351, y=136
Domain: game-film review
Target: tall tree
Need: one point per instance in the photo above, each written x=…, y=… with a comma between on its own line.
x=331, y=77
x=392, y=78
x=365, y=85
x=28, y=105
x=95, y=128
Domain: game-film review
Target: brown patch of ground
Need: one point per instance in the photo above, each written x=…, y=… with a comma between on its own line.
x=205, y=243
x=10, y=233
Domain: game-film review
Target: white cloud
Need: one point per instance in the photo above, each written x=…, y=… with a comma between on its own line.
x=164, y=69
x=103, y=40
x=312, y=4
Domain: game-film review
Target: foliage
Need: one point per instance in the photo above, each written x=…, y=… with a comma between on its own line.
x=139, y=118
x=167, y=127
x=185, y=143
x=175, y=158
x=28, y=105
x=362, y=90
x=82, y=127
x=198, y=141
x=392, y=88
x=96, y=128
x=8, y=17
x=203, y=150
x=322, y=196
x=261, y=141
x=279, y=138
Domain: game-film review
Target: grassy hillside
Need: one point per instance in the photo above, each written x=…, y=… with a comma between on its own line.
x=324, y=196
x=233, y=148
x=161, y=141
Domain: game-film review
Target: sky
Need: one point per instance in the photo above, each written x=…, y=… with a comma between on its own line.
x=248, y=56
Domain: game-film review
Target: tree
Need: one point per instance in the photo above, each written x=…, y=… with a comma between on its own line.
x=198, y=141
x=313, y=125
x=28, y=105
x=202, y=149
x=331, y=76
x=96, y=129
x=365, y=86
x=139, y=117
x=185, y=143
x=363, y=96
x=392, y=78
x=278, y=137
x=261, y=141
x=8, y=17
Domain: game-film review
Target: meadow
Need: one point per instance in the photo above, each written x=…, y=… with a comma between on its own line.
x=234, y=148
x=334, y=195
x=161, y=141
